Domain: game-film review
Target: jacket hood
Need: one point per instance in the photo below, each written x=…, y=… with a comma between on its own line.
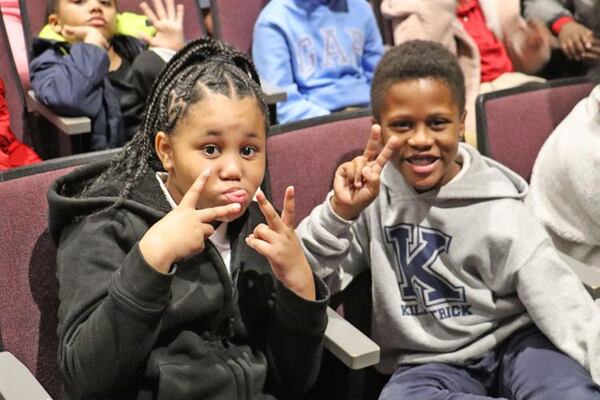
x=66, y=205
x=485, y=179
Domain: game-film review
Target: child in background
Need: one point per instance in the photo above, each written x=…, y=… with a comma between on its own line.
x=496, y=48
x=322, y=53
x=174, y=283
x=470, y=298
x=83, y=66
x=13, y=153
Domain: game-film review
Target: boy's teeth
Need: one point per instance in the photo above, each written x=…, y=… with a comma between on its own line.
x=421, y=161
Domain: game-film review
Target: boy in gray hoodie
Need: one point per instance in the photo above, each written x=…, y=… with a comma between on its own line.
x=470, y=299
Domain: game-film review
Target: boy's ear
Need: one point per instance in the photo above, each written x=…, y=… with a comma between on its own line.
x=164, y=150
x=54, y=23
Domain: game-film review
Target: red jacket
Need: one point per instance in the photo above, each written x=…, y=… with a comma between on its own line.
x=13, y=153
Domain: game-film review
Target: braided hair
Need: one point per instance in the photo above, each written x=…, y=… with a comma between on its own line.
x=203, y=66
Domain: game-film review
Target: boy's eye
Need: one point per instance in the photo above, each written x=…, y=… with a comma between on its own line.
x=438, y=123
x=401, y=125
x=248, y=151
x=210, y=150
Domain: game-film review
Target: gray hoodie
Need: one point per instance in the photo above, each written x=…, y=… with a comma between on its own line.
x=455, y=270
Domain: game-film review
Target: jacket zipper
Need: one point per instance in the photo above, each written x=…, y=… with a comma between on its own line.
x=233, y=283
x=234, y=288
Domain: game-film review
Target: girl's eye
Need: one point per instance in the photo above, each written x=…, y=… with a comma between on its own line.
x=210, y=150
x=248, y=151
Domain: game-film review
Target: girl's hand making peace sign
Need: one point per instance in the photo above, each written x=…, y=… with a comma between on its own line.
x=182, y=232
x=356, y=183
x=277, y=241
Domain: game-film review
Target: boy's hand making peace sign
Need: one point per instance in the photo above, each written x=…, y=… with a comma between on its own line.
x=182, y=232
x=356, y=183
x=277, y=241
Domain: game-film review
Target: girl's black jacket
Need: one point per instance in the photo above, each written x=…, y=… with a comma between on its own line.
x=127, y=331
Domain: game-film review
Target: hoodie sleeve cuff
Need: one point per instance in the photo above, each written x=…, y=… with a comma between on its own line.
x=140, y=286
x=298, y=314
x=558, y=23
x=334, y=223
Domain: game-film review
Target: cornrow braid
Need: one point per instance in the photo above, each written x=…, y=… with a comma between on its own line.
x=202, y=66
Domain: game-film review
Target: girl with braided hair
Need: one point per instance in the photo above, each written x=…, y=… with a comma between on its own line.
x=174, y=283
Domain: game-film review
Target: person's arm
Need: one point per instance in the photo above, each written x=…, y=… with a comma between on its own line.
x=111, y=305
x=332, y=245
x=294, y=340
x=274, y=62
x=553, y=294
x=420, y=19
x=115, y=288
x=335, y=235
x=528, y=45
x=294, y=336
x=547, y=11
x=69, y=84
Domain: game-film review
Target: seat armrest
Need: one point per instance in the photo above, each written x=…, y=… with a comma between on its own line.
x=17, y=382
x=68, y=125
x=349, y=344
x=272, y=93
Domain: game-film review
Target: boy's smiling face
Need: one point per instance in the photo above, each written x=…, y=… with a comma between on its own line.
x=423, y=114
x=99, y=14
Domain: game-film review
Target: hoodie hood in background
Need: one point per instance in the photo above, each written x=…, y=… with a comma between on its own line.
x=486, y=179
x=66, y=204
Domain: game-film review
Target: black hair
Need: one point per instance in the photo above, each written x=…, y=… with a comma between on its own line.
x=52, y=7
x=202, y=66
x=416, y=59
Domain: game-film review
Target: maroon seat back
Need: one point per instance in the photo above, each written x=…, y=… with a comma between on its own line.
x=33, y=14
x=233, y=21
x=307, y=153
x=513, y=124
x=13, y=90
x=29, y=287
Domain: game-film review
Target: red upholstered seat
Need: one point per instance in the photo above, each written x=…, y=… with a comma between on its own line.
x=513, y=124
x=233, y=21
x=306, y=154
x=28, y=287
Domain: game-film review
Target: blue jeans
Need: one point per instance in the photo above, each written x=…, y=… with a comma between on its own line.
x=526, y=366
